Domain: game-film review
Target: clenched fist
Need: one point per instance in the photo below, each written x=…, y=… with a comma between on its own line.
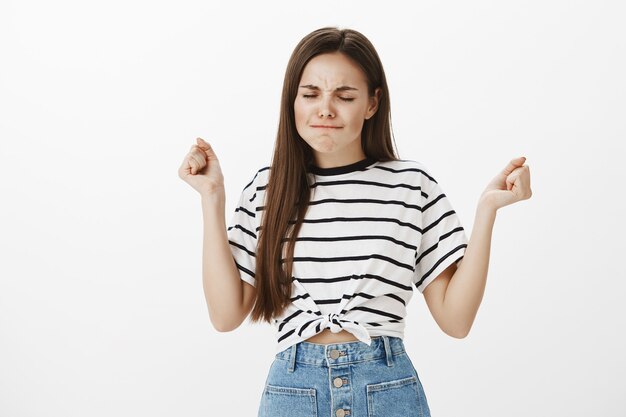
x=511, y=185
x=201, y=169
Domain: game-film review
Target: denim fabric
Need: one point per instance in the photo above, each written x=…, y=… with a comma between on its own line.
x=344, y=379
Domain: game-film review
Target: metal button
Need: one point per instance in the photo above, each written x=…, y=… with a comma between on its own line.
x=337, y=382
x=340, y=413
x=334, y=353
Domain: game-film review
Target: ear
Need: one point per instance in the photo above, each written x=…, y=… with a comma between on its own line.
x=371, y=110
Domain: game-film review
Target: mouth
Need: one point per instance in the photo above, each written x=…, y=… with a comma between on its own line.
x=325, y=127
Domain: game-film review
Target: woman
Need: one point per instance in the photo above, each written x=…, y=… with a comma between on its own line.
x=327, y=241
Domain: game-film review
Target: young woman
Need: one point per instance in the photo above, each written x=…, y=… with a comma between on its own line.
x=328, y=241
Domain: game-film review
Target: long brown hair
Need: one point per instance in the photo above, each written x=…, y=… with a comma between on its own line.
x=288, y=190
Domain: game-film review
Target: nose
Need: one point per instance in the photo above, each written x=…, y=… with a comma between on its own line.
x=326, y=109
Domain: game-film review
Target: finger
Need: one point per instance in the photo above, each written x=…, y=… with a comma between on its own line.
x=518, y=179
x=524, y=182
x=202, y=142
x=510, y=181
x=526, y=174
x=515, y=163
x=193, y=166
x=188, y=166
x=199, y=157
x=200, y=150
x=207, y=148
x=194, y=161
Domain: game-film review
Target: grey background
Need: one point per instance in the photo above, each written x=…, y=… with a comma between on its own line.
x=101, y=305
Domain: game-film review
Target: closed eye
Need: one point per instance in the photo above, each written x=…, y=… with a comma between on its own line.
x=341, y=98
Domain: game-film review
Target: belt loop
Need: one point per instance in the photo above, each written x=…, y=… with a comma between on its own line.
x=387, y=350
x=292, y=359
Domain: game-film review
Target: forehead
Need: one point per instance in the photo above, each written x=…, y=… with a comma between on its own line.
x=332, y=69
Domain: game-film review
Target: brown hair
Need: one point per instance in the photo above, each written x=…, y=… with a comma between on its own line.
x=288, y=190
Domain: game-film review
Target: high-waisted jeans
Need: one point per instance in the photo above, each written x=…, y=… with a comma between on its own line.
x=344, y=379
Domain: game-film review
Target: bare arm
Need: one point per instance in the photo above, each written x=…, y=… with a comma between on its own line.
x=229, y=298
x=455, y=295
x=467, y=286
x=223, y=288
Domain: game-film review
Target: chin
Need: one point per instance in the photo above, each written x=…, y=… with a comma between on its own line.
x=323, y=144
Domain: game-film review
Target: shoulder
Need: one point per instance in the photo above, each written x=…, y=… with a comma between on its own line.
x=255, y=178
x=259, y=177
x=254, y=184
x=414, y=171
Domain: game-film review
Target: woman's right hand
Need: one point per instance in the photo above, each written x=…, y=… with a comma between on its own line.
x=201, y=169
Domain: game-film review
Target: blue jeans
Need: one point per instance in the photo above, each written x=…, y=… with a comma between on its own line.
x=344, y=379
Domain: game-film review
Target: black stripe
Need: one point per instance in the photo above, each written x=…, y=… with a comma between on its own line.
x=374, y=311
x=360, y=219
x=343, y=297
x=364, y=182
x=360, y=294
x=286, y=320
x=395, y=171
x=353, y=238
x=375, y=324
x=243, y=229
x=352, y=258
x=436, y=222
x=303, y=296
x=363, y=200
x=242, y=248
x=246, y=270
x=427, y=274
x=328, y=301
x=436, y=245
x=286, y=335
x=324, y=280
x=354, y=276
x=245, y=210
x=265, y=168
x=396, y=297
x=256, y=175
x=304, y=326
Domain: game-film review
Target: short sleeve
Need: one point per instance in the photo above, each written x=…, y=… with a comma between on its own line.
x=242, y=232
x=443, y=237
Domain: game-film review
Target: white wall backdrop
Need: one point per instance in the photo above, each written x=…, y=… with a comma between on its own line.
x=102, y=311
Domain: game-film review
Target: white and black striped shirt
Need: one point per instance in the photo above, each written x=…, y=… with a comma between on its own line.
x=372, y=231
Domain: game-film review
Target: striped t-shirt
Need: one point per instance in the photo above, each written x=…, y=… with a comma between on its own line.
x=372, y=231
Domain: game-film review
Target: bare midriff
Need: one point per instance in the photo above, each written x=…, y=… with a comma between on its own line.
x=326, y=337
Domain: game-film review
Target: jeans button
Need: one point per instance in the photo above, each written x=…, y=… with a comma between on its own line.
x=334, y=353
x=340, y=413
x=337, y=382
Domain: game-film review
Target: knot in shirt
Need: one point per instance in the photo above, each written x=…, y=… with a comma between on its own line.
x=335, y=323
x=331, y=321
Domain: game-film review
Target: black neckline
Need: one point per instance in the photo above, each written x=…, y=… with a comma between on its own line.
x=343, y=169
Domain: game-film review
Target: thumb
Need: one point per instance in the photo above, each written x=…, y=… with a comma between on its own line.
x=511, y=166
x=207, y=148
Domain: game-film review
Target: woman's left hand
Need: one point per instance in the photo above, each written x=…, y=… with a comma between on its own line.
x=509, y=186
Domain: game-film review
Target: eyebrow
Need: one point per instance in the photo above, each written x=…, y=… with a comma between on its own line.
x=341, y=88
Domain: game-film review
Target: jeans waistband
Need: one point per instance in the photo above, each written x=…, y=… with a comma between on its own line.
x=338, y=354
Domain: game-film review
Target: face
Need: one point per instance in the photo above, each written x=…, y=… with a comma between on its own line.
x=333, y=92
